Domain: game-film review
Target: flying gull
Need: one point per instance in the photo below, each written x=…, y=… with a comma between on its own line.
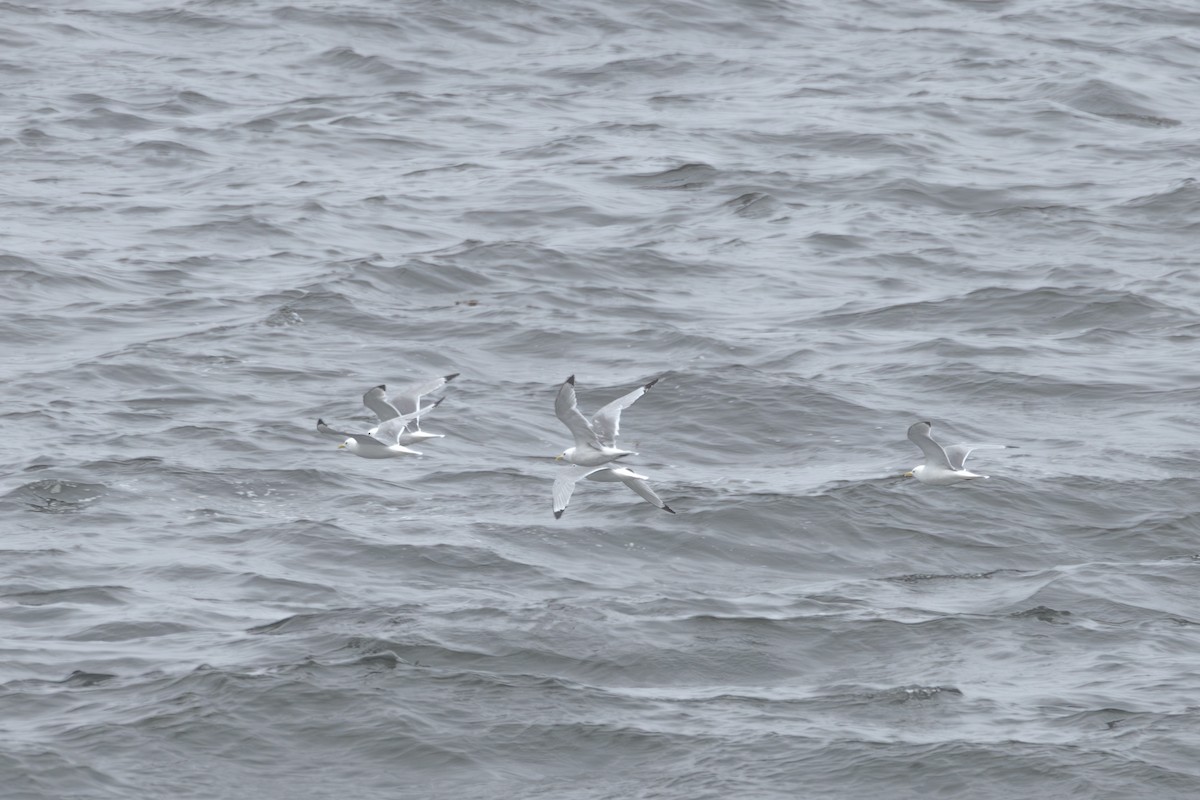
x=595, y=441
x=402, y=402
x=383, y=441
x=943, y=465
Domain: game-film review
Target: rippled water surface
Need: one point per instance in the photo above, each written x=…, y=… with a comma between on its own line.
x=818, y=222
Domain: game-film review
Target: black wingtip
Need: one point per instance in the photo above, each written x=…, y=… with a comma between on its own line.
x=651, y=383
x=438, y=402
x=381, y=386
x=668, y=509
x=451, y=376
x=320, y=421
x=571, y=380
x=558, y=514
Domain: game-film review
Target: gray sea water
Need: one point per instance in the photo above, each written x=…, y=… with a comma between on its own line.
x=817, y=220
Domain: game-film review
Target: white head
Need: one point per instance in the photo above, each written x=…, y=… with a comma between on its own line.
x=349, y=444
x=915, y=472
x=565, y=455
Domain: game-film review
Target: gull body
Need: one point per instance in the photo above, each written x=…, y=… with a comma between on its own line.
x=943, y=465
x=592, y=456
x=405, y=401
x=942, y=477
x=365, y=445
x=564, y=486
x=595, y=440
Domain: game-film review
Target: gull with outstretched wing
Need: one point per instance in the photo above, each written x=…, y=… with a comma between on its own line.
x=403, y=402
x=943, y=465
x=595, y=440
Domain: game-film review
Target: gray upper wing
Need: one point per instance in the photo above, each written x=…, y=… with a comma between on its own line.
x=643, y=488
x=957, y=453
x=567, y=410
x=564, y=487
x=361, y=438
x=607, y=421
x=328, y=431
x=376, y=400
x=389, y=430
x=918, y=434
x=408, y=399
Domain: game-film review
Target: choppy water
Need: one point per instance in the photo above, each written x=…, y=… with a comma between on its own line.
x=817, y=221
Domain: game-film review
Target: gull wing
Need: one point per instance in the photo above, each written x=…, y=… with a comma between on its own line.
x=918, y=434
x=408, y=399
x=376, y=400
x=564, y=487
x=632, y=480
x=957, y=454
x=641, y=487
x=328, y=431
x=567, y=410
x=389, y=430
x=608, y=419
